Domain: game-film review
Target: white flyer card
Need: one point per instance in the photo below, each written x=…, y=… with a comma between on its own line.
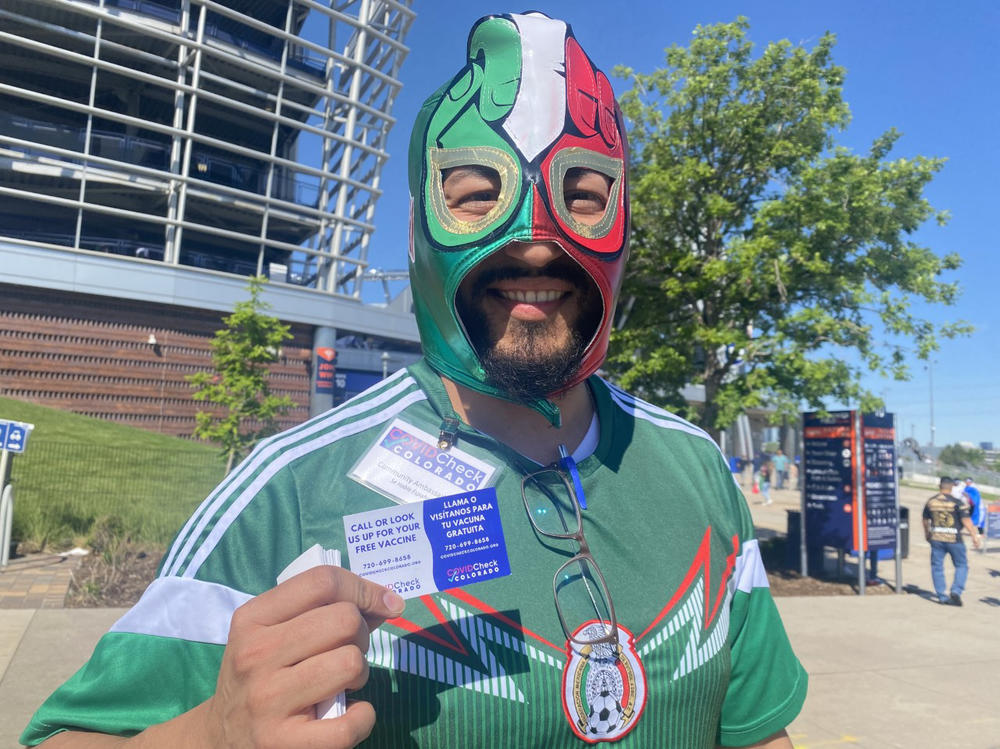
x=428, y=546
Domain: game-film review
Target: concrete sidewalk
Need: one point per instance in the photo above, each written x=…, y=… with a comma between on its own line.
x=39, y=650
x=896, y=671
x=885, y=670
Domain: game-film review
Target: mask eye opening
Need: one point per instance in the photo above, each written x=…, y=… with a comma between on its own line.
x=565, y=167
x=470, y=191
x=497, y=174
x=586, y=194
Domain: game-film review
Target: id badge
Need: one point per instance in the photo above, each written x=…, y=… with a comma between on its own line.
x=406, y=465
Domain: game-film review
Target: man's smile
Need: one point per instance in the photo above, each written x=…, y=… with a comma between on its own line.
x=530, y=299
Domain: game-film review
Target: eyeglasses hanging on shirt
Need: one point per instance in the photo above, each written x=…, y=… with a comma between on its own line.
x=553, y=497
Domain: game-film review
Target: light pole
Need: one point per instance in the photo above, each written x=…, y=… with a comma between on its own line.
x=930, y=380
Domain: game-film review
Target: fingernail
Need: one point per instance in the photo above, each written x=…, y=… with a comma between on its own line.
x=393, y=602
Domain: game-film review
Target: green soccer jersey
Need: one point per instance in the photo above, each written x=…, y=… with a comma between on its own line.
x=704, y=657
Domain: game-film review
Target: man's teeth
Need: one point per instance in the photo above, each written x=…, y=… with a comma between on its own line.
x=532, y=297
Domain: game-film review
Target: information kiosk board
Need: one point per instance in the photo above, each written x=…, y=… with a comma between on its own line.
x=828, y=486
x=993, y=520
x=849, y=464
x=878, y=445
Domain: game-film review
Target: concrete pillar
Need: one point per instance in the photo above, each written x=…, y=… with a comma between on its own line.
x=322, y=380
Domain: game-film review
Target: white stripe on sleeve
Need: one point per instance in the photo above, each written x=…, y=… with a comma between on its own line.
x=183, y=608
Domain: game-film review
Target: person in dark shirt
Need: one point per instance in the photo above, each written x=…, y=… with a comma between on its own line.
x=943, y=517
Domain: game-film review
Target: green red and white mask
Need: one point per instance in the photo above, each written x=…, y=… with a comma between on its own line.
x=530, y=105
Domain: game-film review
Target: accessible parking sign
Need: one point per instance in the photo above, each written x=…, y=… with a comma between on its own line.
x=14, y=435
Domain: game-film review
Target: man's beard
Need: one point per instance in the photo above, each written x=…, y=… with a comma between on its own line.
x=527, y=375
x=532, y=368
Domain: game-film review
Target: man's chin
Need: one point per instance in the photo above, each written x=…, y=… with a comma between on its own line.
x=524, y=360
x=529, y=377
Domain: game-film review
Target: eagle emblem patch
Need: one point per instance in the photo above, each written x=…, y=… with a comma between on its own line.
x=604, y=686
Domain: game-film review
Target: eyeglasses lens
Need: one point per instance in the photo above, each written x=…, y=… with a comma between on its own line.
x=581, y=596
x=550, y=504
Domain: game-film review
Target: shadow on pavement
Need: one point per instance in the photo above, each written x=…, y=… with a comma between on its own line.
x=927, y=595
x=766, y=534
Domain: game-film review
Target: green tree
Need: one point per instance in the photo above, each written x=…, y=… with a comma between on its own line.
x=762, y=253
x=962, y=457
x=241, y=353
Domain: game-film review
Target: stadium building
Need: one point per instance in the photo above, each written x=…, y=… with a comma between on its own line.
x=154, y=154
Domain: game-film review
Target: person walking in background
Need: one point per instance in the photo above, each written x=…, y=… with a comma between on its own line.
x=977, y=509
x=780, y=462
x=766, y=468
x=943, y=518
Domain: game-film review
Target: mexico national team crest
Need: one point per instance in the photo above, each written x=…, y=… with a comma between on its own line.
x=604, y=691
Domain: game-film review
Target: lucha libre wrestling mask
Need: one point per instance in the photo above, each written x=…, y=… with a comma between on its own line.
x=530, y=106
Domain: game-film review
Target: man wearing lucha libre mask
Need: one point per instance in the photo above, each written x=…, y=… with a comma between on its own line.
x=618, y=595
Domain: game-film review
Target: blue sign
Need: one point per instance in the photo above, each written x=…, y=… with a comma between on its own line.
x=834, y=453
x=878, y=448
x=14, y=435
x=828, y=454
x=993, y=520
x=350, y=382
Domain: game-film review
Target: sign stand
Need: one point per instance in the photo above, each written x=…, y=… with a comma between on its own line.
x=860, y=516
x=13, y=438
x=6, y=507
x=850, y=495
x=899, y=531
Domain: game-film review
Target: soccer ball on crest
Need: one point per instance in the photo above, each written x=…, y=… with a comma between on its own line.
x=605, y=714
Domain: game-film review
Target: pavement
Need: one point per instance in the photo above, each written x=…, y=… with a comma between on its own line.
x=886, y=670
x=36, y=581
x=891, y=670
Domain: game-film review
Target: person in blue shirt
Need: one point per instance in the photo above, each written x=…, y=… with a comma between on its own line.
x=780, y=463
x=976, y=507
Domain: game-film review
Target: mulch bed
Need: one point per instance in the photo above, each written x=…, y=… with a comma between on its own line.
x=791, y=583
x=98, y=583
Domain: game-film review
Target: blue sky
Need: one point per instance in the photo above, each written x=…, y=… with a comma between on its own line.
x=929, y=69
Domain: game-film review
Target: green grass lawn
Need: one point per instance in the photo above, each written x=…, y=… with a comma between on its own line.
x=77, y=470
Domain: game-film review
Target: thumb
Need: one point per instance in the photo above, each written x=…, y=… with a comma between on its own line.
x=376, y=602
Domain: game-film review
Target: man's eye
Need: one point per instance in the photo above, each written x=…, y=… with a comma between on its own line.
x=586, y=207
x=473, y=205
x=586, y=194
x=484, y=196
x=470, y=192
x=585, y=202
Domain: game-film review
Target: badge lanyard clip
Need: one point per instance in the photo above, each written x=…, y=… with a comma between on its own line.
x=448, y=433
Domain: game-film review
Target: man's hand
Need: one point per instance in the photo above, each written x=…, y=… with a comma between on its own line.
x=289, y=648
x=977, y=539
x=292, y=647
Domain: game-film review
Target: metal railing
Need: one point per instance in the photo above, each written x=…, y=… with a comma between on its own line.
x=314, y=196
